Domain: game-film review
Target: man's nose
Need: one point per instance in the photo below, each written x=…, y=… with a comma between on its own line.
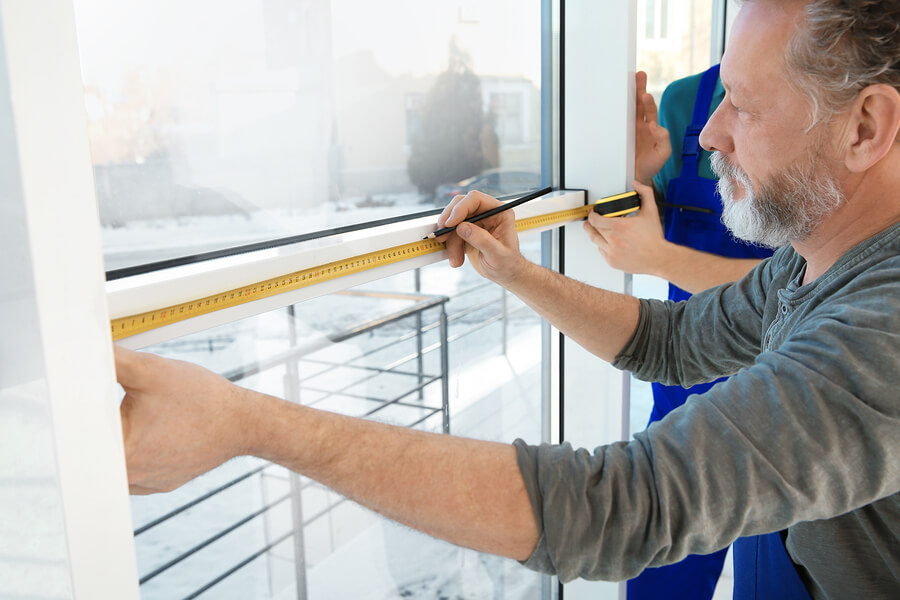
x=715, y=135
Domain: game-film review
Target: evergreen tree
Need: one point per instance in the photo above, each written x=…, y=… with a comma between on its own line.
x=447, y=147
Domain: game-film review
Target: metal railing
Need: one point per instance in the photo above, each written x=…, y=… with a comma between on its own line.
x=467, y=321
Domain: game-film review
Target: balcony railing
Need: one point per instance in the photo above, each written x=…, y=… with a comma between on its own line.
x=464, y=322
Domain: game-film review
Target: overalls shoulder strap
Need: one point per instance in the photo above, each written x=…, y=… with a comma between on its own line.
x=690, y=153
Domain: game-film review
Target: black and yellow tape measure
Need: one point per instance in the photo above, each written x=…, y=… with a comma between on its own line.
x=123, y=327
x=619, y=205
x=611, y=206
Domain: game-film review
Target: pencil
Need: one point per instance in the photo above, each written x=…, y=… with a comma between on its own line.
x=492, y=212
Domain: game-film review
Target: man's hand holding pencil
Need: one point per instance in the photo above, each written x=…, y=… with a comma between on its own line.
x=492, y=244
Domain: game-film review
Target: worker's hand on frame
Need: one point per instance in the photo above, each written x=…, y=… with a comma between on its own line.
x=632, y=244
x=652, y=147
x=179, y=420
x=492, y=244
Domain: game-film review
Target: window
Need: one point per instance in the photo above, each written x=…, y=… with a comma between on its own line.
x=215, y=125
x=674, y=40
x=180, y=100
x=657, y=22
x=414, y=104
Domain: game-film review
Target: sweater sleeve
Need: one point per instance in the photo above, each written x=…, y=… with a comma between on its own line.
x=731, y=463
x=808, y=431
x=713, y=334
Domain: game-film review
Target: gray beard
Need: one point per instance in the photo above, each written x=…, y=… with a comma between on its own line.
x=785, y=209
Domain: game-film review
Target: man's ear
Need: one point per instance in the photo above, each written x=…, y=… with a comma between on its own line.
x=874, y=126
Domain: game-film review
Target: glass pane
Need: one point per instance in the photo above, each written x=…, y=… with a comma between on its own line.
x=683, y=50
x=650, y=20
x=673, y=40
x=218, y=124
x=372, y=351
x=34, y=557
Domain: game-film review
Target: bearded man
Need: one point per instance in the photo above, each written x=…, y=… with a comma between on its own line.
x=797, y=452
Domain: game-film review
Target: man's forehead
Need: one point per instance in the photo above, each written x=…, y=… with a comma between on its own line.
x=755, y=57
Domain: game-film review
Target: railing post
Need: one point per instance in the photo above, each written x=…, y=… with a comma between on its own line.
x=445, y=369
x=504, y=311
x=292, y=393
x=267, y=539
x=420, y=362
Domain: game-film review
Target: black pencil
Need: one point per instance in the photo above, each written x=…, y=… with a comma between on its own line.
x=492, y=212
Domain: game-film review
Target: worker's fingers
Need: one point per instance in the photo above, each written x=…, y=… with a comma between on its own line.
x=460, y=209
x=456, y=249
x=595, y=236
x=601, y=223
x=640, y=80
x=448, y=209
x=139, y=490
x=649, y=209
x=494, y=251
x=125, y=359
x=480, y=239
x=648, y=104
x=138, y=370
x=470, y=205
x=130, y=366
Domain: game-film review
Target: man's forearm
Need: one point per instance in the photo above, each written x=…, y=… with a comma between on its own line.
x=599, y=320
x=468, y=492
x=695, y=271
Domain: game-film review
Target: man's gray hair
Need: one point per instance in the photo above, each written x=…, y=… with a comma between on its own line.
x=842, y=47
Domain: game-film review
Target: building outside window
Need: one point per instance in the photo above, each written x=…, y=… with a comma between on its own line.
x=657, y=22
x=674, y=40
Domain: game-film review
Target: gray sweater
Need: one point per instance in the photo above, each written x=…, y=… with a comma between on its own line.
x=805, y=435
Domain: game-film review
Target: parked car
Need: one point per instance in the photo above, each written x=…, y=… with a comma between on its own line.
x=496, y=182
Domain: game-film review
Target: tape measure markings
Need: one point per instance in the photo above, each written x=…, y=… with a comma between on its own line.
x=563, y=216
x=131, y=325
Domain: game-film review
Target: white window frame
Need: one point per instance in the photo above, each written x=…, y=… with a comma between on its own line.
x=64, y=237
x=169, y=287
x=599, y=157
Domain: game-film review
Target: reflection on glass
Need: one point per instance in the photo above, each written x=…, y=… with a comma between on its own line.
x=218, y=124
x=674, y=40
x=34, y=556
x=259, y=531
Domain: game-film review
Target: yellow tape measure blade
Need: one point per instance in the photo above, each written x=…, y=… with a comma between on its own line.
x=123, y=327
x=131, y=325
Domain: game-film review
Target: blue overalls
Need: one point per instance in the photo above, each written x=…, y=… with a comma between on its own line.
x=696, y=576
x=763, y=569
